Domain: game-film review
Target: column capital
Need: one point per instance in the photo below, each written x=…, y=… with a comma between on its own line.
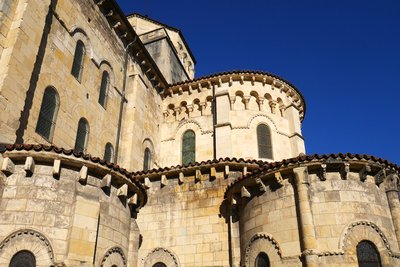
x=392, y=182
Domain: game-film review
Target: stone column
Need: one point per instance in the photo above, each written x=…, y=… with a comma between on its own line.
x=307, y=233
x=392, y=193
x=223, y=128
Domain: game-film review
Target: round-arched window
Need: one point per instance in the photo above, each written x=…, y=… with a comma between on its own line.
x=23, y=258
x=367, y=254
x=262, y=260
x=159, y=264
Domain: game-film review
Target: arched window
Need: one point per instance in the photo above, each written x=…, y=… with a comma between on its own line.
x=109, y=152
x=77, y=65
x=264, y=141
x=105, y=82
x=23, y=258
x=82, y=135
x=48, y=113
x=262, y=260
x=159, y=264
x=367, y=254
x=188, y=147
x=147, y=159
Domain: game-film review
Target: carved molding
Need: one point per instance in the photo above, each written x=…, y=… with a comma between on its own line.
x=27, y=239
x=114, y=256
x=161, y=255
x=265, y=241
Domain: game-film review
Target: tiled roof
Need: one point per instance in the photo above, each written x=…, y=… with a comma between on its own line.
x=315, y=157
x=198, y=164
x=71, y=152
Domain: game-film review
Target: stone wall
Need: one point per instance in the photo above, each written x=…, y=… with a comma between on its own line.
x=316, y=211
x=243, y=101
x=67, y=210
x=186, y=221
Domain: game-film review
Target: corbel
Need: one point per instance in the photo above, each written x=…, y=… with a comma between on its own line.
x=164, y=180
x=219, y=82
x=344, y=170
x=122, y=191
x=83, y=174
x=380, y=176
x=241, y=79
x=264, y=81
x=190, y=89
x=209, y=84
x=124, y=35
x=147, y=182
x=29, y=165
x=232, y=200
x=364, y=172
x=181, y=178
x=230, y=81
x=244, y=192
x=116, y=25
x=106, y=181
x=180, y=90
x=244, y=170
x=323, y=172
x=213, y=173
x=197, y=177
x=143, y=62
x=262, y=186
x=99, y=3
x=110, y=13
x=199, y=88
x=226, y=171
x=133, y=200
x=8, y=166
x=279, y=178
x=56, y=168
x=253, y=80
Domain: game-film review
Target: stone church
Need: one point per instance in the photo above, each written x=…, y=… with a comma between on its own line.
x=114, y=154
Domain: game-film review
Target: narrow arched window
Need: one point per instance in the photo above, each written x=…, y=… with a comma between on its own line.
x=159, y=264
x=367, y=254
x=105, y=82
x=77, y=65
x=147, y=159
x=48, y=113
x=109, y=152
x=82, y=135
x=262, y=260
x=188, y=147
x=264, y=141
x=23, y=258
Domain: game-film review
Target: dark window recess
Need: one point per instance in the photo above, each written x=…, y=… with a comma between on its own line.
x=367, y=255
x=262, y=260
x=77, y=65
x=23, y=258
x=105, y=82
x=48, y=113
x=264, y=141
x=147, y=159
x=109, y=152
x=82, y=135
x=159, y=264
x=188, y=147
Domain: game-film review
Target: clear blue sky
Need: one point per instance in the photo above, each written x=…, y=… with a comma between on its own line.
x=344, y=56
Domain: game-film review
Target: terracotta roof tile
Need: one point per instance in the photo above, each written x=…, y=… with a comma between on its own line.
x=308, y=158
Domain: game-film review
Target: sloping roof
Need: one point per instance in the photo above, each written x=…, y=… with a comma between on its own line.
x=168, y=27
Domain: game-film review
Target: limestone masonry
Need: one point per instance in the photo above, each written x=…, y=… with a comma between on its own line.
x=114, y=154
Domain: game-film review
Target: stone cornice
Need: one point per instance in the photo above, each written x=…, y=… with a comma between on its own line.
x=124, y=30
x=276, y=172
x=206, y=82
x=109, y=174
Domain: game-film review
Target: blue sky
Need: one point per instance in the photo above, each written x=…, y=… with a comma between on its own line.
x=344, y=56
